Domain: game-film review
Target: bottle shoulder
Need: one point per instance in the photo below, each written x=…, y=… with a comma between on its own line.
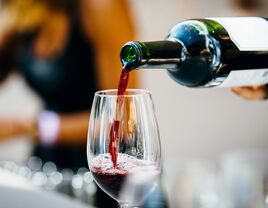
x=199, y=37
x=197, y=31
x=202, y=51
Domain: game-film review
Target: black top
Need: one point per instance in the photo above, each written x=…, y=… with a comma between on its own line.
x=66, y=84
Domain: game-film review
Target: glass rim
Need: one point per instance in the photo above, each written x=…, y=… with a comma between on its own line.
x=105, y=93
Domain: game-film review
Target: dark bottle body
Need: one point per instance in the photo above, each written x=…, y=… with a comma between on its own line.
x=196, y=53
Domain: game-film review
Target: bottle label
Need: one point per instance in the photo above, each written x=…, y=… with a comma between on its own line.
x=247, y=33
x=241, y=78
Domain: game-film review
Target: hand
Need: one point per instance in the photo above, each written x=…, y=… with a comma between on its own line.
x=251, y=93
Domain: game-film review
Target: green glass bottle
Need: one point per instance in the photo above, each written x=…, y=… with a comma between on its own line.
x=207, y=52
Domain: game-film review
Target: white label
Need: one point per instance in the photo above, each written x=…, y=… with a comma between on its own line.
x=246, y=78
x=248, y=33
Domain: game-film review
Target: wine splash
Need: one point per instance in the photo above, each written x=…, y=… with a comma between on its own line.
x=110, y=178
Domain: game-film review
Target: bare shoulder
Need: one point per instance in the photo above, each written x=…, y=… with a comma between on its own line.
x=109, y=25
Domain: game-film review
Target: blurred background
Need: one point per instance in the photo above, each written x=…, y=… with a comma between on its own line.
x=194, y=123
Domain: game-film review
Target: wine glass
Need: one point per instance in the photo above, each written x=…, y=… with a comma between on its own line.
x=122, y=136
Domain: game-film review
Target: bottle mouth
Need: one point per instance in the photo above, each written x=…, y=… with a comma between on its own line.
x=131, y=55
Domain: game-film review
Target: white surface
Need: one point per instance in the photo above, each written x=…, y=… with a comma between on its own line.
x=248, y=33
x=11, y=180
x=18, y=192
x=11, y=197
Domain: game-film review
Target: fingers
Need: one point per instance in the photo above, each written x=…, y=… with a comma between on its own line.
x=250, y=93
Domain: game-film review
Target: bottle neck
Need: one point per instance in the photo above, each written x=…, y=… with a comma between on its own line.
x=158, y=54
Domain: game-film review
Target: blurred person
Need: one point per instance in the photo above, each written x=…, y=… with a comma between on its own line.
x=250, y=8
x=66, y=50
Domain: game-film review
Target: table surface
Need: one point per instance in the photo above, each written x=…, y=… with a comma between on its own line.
x=15, y=192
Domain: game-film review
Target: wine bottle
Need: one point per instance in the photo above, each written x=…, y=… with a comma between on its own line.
x=229, y=51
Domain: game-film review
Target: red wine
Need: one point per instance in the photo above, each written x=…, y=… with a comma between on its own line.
x=116, y=124
x=123, y=82
x=113, y=138
x=111, y=178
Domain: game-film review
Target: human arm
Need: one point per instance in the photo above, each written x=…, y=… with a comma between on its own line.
x=14, y=127
x=108, y=24
x=72, y=129
x=73, y=126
